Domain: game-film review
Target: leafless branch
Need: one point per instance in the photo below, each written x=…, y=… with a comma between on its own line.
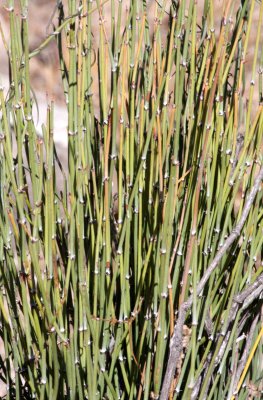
x=243, y=360
x=197, y=385
x=254, y=289
x=246, y=297
x=176, y=340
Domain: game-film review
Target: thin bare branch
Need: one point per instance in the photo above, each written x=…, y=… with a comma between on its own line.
x=176, y=340
x=243, y=360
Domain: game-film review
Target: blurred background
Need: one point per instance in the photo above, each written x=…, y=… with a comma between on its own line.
x=44, y=68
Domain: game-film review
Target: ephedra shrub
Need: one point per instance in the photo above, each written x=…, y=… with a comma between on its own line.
x=140, y=276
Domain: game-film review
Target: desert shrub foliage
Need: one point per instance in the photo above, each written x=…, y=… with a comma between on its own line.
x=136, y=271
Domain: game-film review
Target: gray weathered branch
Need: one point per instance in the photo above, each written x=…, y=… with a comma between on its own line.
x=176, y=340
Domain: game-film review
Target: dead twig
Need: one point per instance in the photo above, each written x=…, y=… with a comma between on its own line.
x=176, y=340
x=243, y=360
